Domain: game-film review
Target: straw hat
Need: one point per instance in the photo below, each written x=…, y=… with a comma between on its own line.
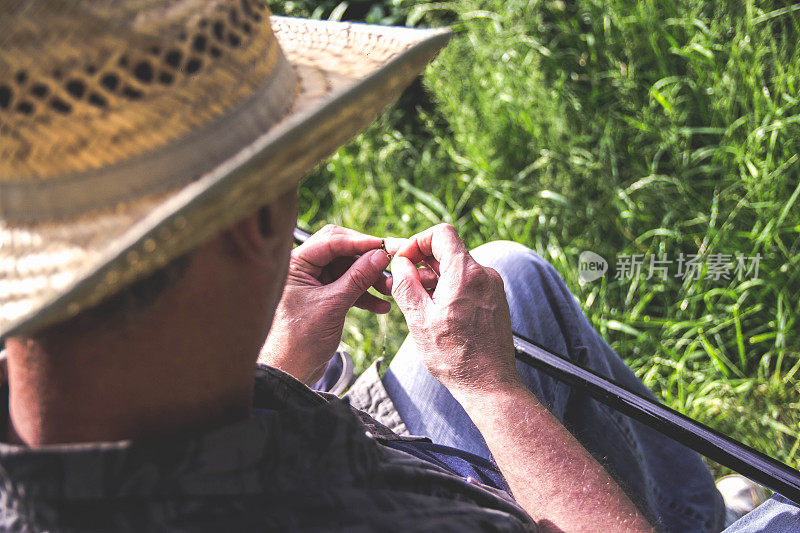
x=131, y=131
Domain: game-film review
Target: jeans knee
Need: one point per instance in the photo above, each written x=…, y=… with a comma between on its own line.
x=511, y=258
x=524, y=272
x=489, y=252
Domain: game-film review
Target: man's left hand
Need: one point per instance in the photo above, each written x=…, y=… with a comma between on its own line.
x=324, y=281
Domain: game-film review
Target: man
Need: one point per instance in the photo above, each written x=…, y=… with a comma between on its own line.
x=151, y=153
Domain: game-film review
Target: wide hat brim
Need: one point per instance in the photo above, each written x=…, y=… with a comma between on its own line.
x=347, y=74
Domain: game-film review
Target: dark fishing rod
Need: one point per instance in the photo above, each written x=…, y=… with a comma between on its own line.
x=718, y=447
x=721, y=448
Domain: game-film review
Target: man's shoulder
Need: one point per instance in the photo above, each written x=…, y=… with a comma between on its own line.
x=309, y=464
x=275, y=389
x=403, y=481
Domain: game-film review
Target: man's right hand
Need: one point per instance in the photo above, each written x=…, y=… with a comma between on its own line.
x=462, y=330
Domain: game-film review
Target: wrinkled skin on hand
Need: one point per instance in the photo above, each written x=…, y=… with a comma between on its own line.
x=325, y=279
x=462, y=328
x=456, y=309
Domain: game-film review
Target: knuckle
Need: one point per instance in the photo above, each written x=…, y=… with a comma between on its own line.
x=474, y=272
x=360, y=279
x=329, y=229
x=446, y=228
x=494, y=277
x=465, y=258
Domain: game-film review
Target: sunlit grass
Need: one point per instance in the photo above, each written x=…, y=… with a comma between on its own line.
x=622, y=127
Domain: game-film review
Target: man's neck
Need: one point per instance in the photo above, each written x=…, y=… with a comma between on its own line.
x=183, y=363
x=100, y=395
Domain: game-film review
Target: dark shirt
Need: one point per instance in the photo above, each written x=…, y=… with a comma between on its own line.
x=310, y=463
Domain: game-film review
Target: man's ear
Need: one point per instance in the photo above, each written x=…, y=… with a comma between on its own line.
x=265, y=222
x=266, y=234
x=253, y=238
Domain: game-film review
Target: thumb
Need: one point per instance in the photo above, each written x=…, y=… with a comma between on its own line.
x=361, y=275
x=407, y=289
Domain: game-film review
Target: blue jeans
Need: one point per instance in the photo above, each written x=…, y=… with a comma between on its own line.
x=664, y=478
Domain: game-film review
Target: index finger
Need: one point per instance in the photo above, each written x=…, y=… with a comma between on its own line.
x=332, y=242
x=440, y=242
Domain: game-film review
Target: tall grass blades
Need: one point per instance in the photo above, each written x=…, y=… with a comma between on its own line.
x=633, y=129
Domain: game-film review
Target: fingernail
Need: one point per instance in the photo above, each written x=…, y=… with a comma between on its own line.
x=379, y=259
x=394, y=243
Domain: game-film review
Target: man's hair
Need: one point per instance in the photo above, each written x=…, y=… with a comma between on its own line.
x=130, y=301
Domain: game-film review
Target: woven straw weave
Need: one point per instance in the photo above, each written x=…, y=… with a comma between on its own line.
x=122, y=93
x=58, y=259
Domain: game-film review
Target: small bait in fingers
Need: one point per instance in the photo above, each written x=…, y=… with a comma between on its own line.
x=383, y=247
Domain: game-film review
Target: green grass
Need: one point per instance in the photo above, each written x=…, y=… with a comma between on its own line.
x=621, y=127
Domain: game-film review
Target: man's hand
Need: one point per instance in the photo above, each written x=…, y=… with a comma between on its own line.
x=324, y=281
x=462, y=332
x=462, y=329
